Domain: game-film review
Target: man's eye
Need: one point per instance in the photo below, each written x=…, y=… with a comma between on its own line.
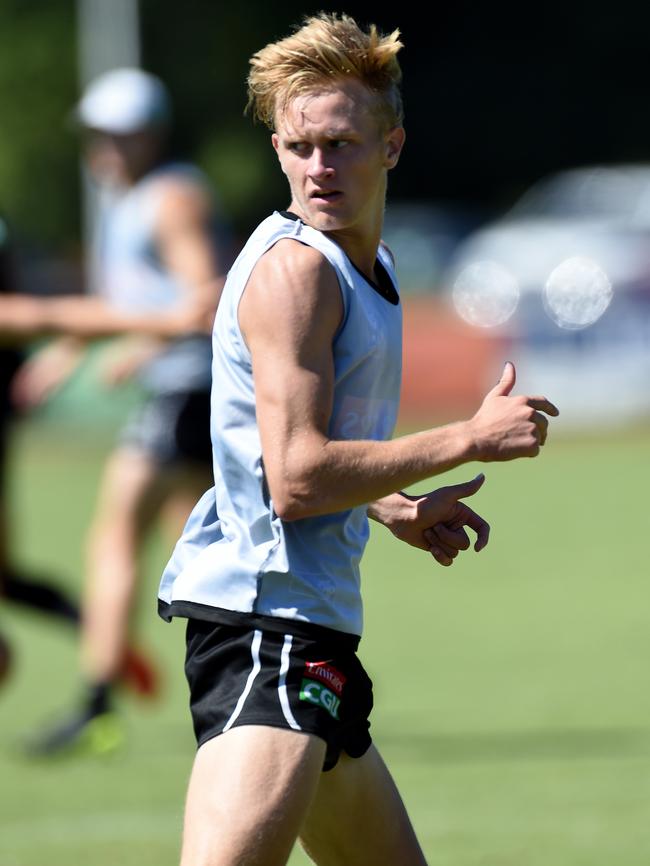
x=338, y=143
x=297, y=146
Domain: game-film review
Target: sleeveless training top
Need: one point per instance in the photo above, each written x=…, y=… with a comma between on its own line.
x=128, y=272
x=236, y=554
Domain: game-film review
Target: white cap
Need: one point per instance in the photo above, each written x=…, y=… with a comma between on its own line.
x=124, y=101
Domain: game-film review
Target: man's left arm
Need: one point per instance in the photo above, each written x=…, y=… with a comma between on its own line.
x=435, y=521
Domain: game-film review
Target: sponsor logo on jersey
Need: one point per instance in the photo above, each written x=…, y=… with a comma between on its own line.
x=316, y=693
x=364, y=418
x=327, y=674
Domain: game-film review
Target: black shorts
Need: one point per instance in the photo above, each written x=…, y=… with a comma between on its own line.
x=248, y=675
x=172, y=428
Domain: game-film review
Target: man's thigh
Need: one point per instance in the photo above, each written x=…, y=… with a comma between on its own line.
x=358, y=817
x=248, y=796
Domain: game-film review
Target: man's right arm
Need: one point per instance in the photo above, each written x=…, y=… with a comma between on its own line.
x=289, y=314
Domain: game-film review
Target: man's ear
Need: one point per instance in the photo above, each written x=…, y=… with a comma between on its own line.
x=395, y=138
x=275, y=141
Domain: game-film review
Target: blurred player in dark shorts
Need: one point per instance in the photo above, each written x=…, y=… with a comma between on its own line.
x=157, y=263
x=15, y=585
x=169, y=428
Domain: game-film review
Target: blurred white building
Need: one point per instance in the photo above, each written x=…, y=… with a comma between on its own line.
x=599, y=373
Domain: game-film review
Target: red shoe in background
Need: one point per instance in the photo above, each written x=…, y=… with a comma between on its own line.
x=140, y=675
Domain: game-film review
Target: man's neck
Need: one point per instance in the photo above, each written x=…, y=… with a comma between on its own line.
x=359, y=242
x=362, y=251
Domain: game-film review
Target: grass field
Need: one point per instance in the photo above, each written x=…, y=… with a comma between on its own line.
x=512, y=690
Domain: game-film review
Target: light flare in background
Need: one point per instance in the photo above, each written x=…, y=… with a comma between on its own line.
x=485, y=294
x=577, y=293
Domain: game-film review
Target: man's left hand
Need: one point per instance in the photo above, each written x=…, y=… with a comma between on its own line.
x=435, y=521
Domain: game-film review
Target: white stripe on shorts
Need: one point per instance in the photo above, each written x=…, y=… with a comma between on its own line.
x=282, y=684
x=255, y=653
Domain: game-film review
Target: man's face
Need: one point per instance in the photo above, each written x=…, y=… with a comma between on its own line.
x=120, y=159
x=335, y=155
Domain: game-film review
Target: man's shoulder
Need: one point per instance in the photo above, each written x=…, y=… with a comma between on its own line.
x=178, y=181
x=295, y=262
x=291, y=282
x=178, y=197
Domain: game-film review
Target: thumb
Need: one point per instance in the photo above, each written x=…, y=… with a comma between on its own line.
x=506, y=383
x=466, y=488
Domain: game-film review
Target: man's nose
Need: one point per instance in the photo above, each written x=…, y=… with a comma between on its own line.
x=319, y=166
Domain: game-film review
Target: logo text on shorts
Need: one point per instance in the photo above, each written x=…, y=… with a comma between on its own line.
x=317, y=693
x=327, y=674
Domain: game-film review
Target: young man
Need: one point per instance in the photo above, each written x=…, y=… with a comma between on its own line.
x=306, y=375
x=159, y=263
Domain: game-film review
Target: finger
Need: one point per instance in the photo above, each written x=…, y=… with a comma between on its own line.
x=455, y=538
x=465, y=488
x=541, y=422
x=541, y=404
x=480, y=526
x=441, y=546
x=443, y=554
x=441, y=557
x=506, y=383
x=448, y=553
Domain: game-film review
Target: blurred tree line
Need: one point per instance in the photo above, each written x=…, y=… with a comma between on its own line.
x=38, y=157
x=495, y=97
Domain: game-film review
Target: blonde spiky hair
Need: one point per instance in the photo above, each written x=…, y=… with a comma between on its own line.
x=326, y=47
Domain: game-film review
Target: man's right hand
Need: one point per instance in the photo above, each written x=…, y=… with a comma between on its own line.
x=506, y=426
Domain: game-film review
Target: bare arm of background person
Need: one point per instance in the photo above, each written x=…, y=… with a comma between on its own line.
x=186, y=248
x=289, y=314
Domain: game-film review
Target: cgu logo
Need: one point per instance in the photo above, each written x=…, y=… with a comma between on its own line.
x=316, y=693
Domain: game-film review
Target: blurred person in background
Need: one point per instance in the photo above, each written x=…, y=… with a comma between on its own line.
x=158, y=257
x=16, y=584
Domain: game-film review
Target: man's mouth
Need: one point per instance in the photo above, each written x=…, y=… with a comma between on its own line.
x=325, y=194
